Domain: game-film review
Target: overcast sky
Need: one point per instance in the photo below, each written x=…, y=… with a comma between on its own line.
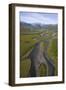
x=41, y=18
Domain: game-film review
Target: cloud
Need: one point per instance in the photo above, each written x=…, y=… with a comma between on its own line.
x=42, y=18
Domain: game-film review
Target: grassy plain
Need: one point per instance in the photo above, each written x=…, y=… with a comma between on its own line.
x=27, y=42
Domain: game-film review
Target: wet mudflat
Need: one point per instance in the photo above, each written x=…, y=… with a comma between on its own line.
x=38, y=56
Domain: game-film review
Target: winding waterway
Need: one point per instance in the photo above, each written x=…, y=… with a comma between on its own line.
x=39, y=56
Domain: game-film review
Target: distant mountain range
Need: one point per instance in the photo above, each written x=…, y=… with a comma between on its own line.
x=25, y=27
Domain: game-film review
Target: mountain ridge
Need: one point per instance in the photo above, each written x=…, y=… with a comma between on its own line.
x=36, y=27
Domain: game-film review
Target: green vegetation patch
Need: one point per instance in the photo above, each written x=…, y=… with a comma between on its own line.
x=42, y=70
x=53, y=53
x=27, y=42
x=25, y=67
